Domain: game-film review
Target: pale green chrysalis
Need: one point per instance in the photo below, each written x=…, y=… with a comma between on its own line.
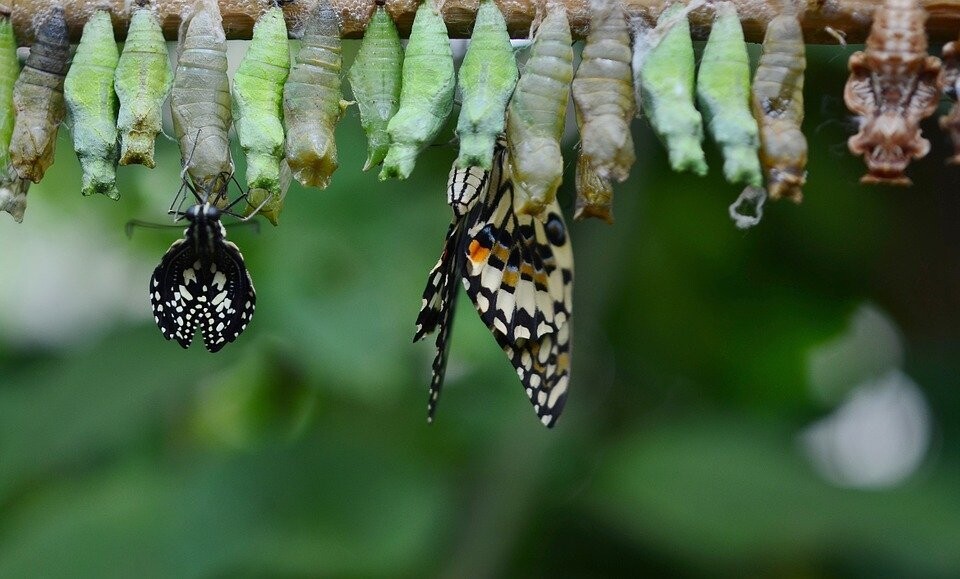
x=313, y=101
x=258, y=100
x=375, y=79
x=38, y=97
x=426, y=94
x=200, y=97
x=13, y=189
x=535, y=116
x=723, y=93
x=92, y=106
x=602, y=91
x=267, y=203
x=667, y=84
x=487, y=78
x=142, y=83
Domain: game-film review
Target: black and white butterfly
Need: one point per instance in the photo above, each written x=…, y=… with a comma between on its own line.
x=517, y=270
x=202, y=281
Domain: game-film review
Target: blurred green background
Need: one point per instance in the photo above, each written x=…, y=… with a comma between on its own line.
x=777, y=402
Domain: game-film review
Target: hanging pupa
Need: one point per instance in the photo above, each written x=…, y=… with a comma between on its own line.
x=313, y=101
x=723, y=92
x=92, y=106
x=38, y=97
x=778, y=107
x=594, y=193
x=142, y=83
x=536, y=113
x=200, y=97
x=258, y=100
x=894, y=84
x=375, y=80
x=949, y=77
x=487, y=78
x=426, y=94
x=13, y=189
x=667, y=85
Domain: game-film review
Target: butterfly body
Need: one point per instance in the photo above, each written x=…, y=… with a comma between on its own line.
x=202, y=283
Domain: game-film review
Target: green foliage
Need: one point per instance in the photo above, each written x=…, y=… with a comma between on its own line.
x=313, y=101
x=487, y=78
x=537, y=110
x=667, y=78
x=258, y=99
x=723, y=92
x=92, y=106
x=375, y=79
x=426, y=94
x=143, y=81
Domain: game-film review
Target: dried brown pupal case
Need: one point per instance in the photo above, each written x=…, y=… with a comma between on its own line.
x=38, y=98
x=893, y=85
x=949, y=75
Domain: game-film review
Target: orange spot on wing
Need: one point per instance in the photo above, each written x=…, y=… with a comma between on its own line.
x=478, y=253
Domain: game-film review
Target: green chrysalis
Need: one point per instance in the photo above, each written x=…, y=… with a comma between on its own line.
x=313, y=101
x=594, y=193
x=778, y=107
x=426, y=95
x=142, y=83
x=267, y=203
x=602, y=91
x=667, y=82
x=92, y=106
x=487, y=78
x=536, y=113
x=200, y=97
x=375, y=79
x=38, y=98
x=258, y=100
x=723, y=92
x=13, y=189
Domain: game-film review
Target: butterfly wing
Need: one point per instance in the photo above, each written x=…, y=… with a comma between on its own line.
x=173, y=293
x=543, y=366
x=230, y=298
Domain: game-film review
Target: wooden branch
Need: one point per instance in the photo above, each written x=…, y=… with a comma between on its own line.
x=851, y=17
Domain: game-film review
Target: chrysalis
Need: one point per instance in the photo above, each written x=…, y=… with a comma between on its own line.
x=142, y=83
x=723, y=92
x=667, y=84
x=312, y=100
x=949, y=77
x=426, y=95
x=778, y=108
x=13, y=189
x=487, y=78
x=200, y=97
x=269, y=204
x=603, y=94
x=38, y=97
x=893, y=85
x=258, y=100
x=375, y=79
x=536, y=113
x=92, y=106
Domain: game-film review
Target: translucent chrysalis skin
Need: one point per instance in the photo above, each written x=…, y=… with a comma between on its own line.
x=594, y=193
x=602, y=91
x=426, y=94
x=313, y=101
x=893, y=85
x=487, y=78
x=200, y=97
x=778, y=108
x=142, y=83
x=13, y=189
x=375, y=79
x=723, y=93
x=258, y=100
x=535, y=115
x=667, y=84
x=270, y=204
x=38, y=98
x=92, y=106
x=949, y=76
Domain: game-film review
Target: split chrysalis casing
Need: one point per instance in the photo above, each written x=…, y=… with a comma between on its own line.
x=38, y=97
x=13, y=189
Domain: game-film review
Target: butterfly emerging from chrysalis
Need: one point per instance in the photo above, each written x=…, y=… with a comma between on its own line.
x=517, y=270
x=202, y=281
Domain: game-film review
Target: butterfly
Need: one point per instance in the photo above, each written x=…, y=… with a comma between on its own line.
x=517, y=270
x=202, y=281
